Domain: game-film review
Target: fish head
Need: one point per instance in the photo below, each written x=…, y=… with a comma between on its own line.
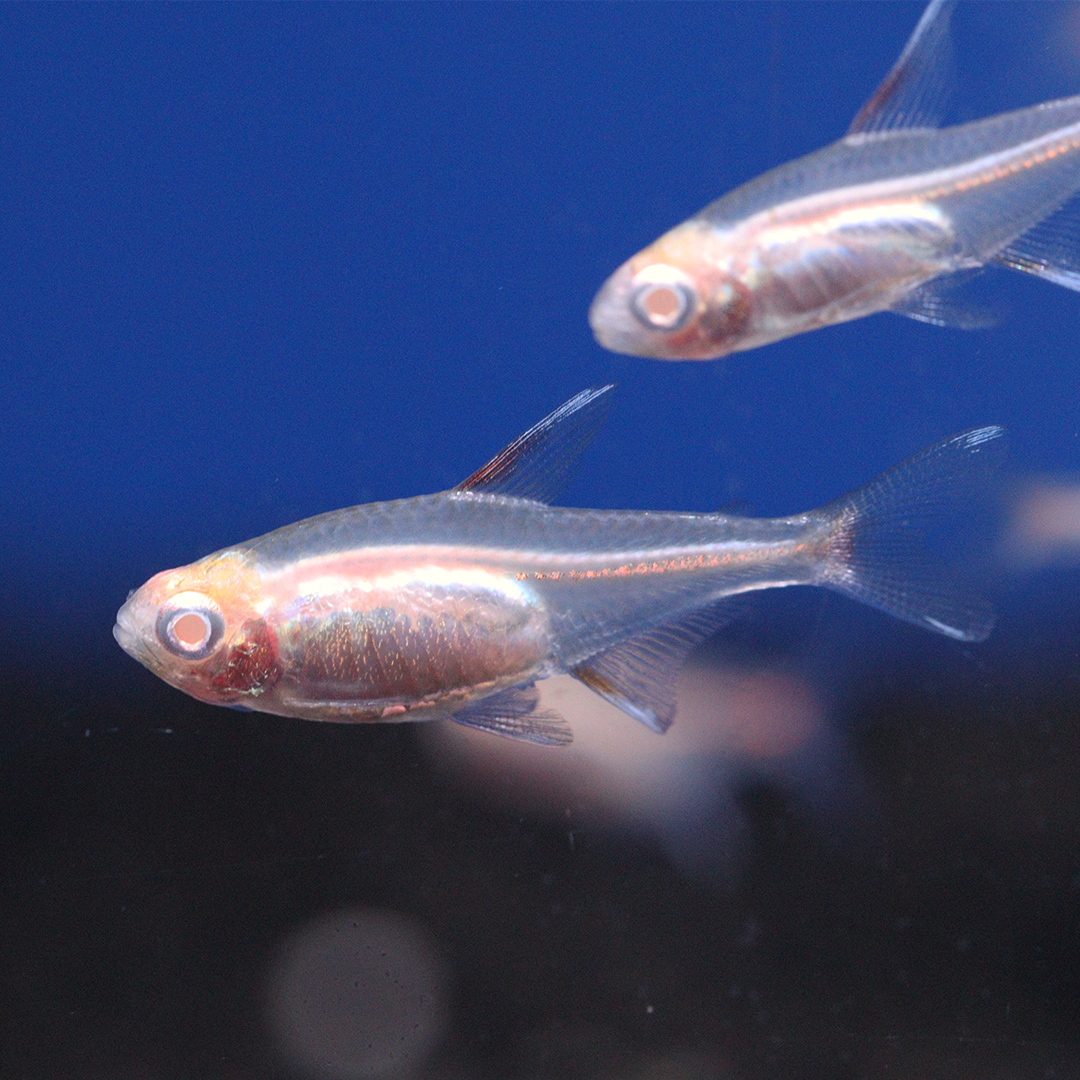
x=202, y=628
x=677, y=299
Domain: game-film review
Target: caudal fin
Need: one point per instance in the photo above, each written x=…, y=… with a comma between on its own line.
x=877, y=555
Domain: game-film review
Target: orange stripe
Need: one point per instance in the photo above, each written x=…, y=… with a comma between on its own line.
x=687, y=562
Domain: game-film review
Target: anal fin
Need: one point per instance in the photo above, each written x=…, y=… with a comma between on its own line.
x=513, y=714
x=1050, y=249
x=638, y=676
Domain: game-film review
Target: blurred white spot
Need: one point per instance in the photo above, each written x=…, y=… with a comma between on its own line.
x=357, y=994
x=1045, y=524
x=617, y=772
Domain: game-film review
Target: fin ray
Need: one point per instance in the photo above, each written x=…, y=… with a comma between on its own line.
x=935, y=303
x=638, y=676
x=876, y=553
x=514, y=714
x=915, y=92
x=1050, y=249
x=537, y=464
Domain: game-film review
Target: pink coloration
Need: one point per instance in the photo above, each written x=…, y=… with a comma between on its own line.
x=454, y=604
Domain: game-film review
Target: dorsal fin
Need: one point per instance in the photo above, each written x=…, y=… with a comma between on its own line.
x=537, y=464
x=639, y=675
x=914, y=94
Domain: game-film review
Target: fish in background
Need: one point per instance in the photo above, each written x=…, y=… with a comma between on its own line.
x=454, y=604
x=890, y=218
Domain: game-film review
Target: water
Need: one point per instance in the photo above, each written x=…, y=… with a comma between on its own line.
x=260, y=262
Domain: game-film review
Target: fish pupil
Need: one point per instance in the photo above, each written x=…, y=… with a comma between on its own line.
x=190, y=630
x=661, y=306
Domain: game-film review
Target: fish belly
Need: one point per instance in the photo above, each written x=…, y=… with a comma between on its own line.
x=426, y=647
x=804, y=278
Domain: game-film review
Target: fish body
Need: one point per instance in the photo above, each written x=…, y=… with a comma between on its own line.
x=453, y=604
x=882, y=220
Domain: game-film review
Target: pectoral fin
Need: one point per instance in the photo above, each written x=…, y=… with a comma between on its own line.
x=914, y=94
x=639, y=675
x=936, y=303
x=513, y=713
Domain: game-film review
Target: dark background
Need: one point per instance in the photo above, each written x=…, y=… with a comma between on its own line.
x=257, y=262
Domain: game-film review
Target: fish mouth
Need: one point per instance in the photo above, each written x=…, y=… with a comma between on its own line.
x=127, y=635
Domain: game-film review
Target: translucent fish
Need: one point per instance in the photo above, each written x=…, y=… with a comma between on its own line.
x=886, y=219
x=454, y=604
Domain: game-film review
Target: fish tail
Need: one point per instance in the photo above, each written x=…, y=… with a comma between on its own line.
x=875, y=551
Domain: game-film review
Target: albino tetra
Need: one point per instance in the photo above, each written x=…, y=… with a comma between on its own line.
x=880, y=221
x=454, y=604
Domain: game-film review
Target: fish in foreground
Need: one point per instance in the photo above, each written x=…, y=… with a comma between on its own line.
x=454, y=604
x=889, y=218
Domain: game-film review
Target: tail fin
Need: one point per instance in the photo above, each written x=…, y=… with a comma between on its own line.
x=876, y=553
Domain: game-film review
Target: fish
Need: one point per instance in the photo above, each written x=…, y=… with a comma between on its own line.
x=456, y=604
x=892, y=217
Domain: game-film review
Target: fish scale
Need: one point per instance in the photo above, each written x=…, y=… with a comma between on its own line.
x=452, y=605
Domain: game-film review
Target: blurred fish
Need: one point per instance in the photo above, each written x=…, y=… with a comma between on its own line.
x=883, y=220
x=454, y=604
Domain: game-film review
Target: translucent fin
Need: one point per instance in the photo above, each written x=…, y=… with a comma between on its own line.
x=537, y=464
x=915, y=93
x=513, y=713
x=935, y=303
x=1050, y=250
x=876, y=553
x=638, y=675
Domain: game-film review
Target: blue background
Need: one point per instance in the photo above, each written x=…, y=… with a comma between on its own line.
x=264, y=262
x=258, y=262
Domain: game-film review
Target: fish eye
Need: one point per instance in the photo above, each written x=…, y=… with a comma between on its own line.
x=190, y=625
x=663, y=298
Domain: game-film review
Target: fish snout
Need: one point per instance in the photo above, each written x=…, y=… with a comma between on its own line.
x=649, y=311
x=612, y=318
x=126, y=630
x=123, y=633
